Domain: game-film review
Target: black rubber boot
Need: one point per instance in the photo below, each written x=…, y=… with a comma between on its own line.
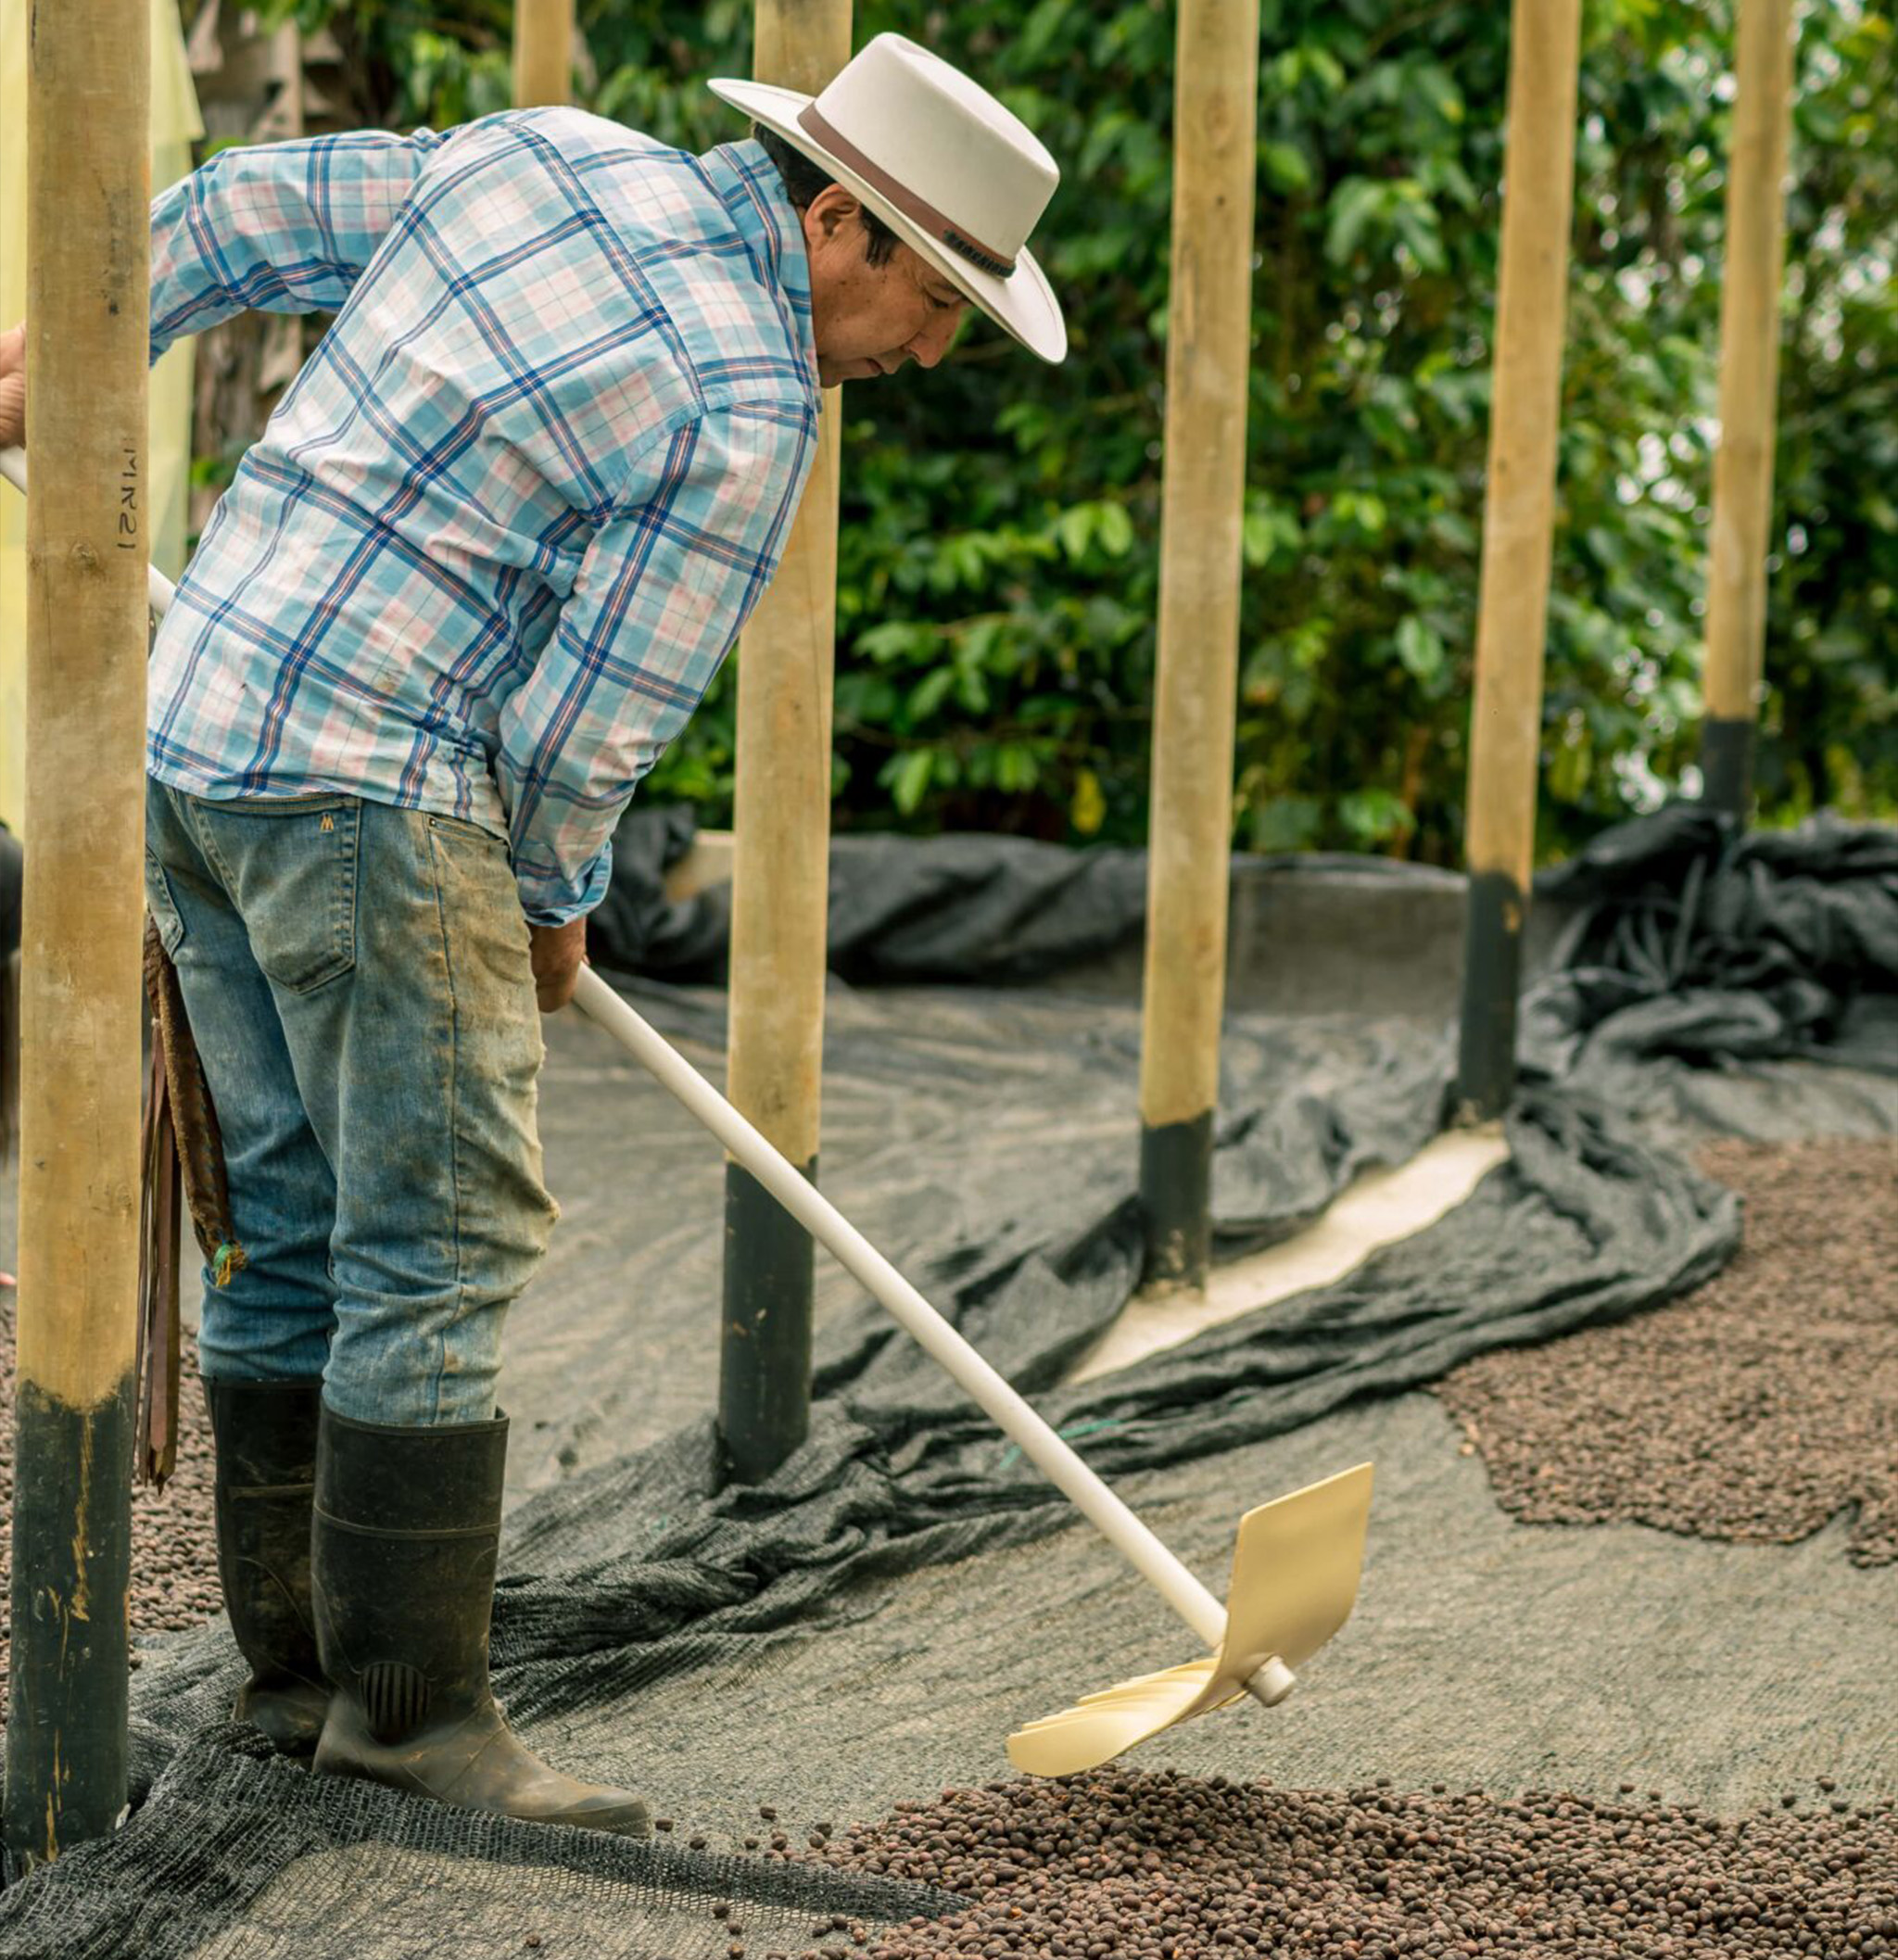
x=407, y=1531
x=265, y=1438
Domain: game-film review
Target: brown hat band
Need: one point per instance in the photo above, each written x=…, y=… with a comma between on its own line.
x=905, y=200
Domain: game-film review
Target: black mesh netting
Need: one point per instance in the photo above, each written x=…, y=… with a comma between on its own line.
x=642, y=1570
x=374, y=1872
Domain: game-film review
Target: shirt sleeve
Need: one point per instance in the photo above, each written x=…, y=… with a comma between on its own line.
x=277, y=228
x=665, y=584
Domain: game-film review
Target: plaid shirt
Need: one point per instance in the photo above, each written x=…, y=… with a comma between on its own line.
x=501, y=531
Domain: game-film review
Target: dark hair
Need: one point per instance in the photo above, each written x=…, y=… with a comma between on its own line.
x=806, y=181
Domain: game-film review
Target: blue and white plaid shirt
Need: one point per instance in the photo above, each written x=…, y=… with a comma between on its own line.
x=499, y=534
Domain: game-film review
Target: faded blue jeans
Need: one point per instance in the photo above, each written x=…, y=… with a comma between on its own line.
x=358, y=982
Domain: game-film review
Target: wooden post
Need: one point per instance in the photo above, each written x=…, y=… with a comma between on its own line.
x=87, y=308
x=1749, y=381
x=780, y=884
x=1518, y=525
x=1189, y=857
x=543, y=53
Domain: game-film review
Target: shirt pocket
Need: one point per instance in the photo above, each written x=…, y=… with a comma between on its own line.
x=289, y=866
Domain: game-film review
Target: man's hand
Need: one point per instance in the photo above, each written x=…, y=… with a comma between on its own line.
x=13, y=388
x=558, y=954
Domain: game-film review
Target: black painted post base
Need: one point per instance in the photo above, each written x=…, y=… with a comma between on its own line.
x=1492, y=976
x=68, y=1700
x=765, y=1349
x=1727, y=766
x=1176, y=1200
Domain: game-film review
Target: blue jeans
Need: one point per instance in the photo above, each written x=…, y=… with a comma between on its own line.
x=358, y=984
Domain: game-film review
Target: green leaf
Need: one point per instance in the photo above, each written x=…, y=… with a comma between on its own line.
x=1285, y=166
x=892, y=640
x=1353, y=206
x=1088, y=806
x=1114, y=529
x=908, y=777
x=1421, y=651
x=929, y=693
x=1075, y=528
x=1374, y=816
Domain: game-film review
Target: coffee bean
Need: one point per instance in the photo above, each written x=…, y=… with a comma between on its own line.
x=1123, y=1864
x=1724, y=1414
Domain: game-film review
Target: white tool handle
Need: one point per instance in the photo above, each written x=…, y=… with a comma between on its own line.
x=160, y=591
x=798, y=1196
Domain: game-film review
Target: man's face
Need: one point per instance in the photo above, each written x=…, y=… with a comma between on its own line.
x=870, y=319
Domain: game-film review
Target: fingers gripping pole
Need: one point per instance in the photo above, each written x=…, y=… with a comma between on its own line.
x=1038, y=1442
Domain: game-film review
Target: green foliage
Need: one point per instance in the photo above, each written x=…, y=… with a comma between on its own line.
x=998, y=564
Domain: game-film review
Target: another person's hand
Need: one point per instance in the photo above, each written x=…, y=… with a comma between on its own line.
x=13, y=388
x=558, y=954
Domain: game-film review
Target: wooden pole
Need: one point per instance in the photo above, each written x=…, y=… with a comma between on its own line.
x=1518, y=526
x=1208, y=360
x=780, y=885
x=1749, y=384
x=87, y=308
x=543, y=53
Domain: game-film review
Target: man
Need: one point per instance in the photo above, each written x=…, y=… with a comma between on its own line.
x=473, y=577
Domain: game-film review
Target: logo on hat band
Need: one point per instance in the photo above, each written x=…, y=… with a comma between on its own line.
x=901, y=196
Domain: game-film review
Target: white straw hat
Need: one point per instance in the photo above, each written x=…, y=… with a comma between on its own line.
x=954, y=174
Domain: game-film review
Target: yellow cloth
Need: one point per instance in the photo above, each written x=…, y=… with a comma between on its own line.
x=175, y=127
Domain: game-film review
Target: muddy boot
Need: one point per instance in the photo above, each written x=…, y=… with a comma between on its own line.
x=407, y=1530
x=265, y=1438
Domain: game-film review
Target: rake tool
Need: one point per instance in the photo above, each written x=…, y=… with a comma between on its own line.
x=1296, y=1565
x=1297, y=1560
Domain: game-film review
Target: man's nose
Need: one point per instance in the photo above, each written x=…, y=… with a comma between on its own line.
x=932, y=343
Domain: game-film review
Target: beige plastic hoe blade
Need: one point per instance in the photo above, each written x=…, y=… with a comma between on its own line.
x=1294, y=1580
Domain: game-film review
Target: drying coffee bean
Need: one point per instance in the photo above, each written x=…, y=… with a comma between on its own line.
x=1124, y=1865
x=661, y=1824
x=1724, y=1414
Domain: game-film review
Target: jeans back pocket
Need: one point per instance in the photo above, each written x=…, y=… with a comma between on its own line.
x=162, y=907
x=289, y=866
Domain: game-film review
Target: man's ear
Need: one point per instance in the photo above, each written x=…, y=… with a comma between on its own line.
x=831, y=212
